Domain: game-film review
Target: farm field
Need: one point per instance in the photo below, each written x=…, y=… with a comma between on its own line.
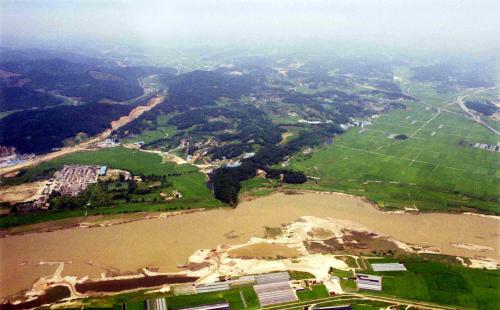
x=233, y=297
x=313, y=292
x=431, y=170
x=163, y=130
x=443, y=284
x=426, y=281
x=183, y=178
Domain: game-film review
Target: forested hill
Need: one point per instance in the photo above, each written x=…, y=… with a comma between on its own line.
x=190, y=93
x=85, y=81
x=17, y=98
x=51, y=96
x=200, y=88
x=38, y=131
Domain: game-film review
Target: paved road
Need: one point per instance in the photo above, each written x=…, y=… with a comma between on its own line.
x=356, y=296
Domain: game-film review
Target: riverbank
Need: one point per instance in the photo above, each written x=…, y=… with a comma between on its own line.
x=163, y=243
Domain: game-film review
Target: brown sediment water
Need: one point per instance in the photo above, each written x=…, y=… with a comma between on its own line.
x=165, y=243
x=51, y=295
x=264, y=251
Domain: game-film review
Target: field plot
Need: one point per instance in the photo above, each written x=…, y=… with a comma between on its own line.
x=275, y=293
x=431, y=170
x=241, y=298
x=183, y=178
x=443, y=284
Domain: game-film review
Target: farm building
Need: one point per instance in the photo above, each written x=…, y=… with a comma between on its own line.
x=245, y=280
x=102, y=170
x=212, y=287
x=218, y=306
x=388, y=267
x=275, y=293
x=369, y=282
x=184, y=289
x=156, y=304
x=272, y=277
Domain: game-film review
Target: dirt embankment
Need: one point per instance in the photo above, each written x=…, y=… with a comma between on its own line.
x=89, y=144
x=22, y=192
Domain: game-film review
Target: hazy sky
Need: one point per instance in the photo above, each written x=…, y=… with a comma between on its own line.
x=446, y=24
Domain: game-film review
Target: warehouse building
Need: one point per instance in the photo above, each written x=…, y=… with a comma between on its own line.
x=274, y=277
x=275, y=293
x=212, y=287
x=369, y=282
x=388, y=267
x=156, y=304
x=102, y=170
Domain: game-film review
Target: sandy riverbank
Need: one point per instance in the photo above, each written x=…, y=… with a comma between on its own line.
x=166, y=242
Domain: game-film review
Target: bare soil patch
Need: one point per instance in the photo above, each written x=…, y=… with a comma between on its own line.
x=22, y=192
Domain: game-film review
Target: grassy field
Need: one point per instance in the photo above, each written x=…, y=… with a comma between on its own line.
x=430, y=170
x=358, y=304
x=342, y=273
x=162, y=131
x=443, y=284
x=233, y=297
x=428, y=281
x=258, y=186
x=184, y=178
x=300, y=275
x=313, y=292
x=122, y=208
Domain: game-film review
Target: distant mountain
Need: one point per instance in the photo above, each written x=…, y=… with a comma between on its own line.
x=34, y=83
x=15, y=98
x=86, y=81
x=39, y=131
x=200, y=88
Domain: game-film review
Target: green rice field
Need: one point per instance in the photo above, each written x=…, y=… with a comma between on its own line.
x=432, y=170
x=443, y=284
x=184, y=178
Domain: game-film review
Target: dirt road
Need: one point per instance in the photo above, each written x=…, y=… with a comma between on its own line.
x=474, y=116
x=89, y=144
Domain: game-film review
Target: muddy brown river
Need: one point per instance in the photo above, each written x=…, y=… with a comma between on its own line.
x=166, y=242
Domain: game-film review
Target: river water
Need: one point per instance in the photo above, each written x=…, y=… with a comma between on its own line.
x=166, y=242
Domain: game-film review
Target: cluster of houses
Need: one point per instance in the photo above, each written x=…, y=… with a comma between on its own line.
x=73, y=179
x=487, y=147
x=107, y=143
x=70, y=180
x=9, y=157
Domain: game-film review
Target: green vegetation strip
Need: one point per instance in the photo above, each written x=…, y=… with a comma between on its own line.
x=231, y=296
x=431, y=170
x=443, y=284
x=184, y=178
